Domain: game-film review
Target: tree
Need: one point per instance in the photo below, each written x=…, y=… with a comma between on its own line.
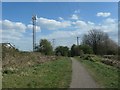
x=62, y=51
x=45, y=47
x=86, y=49
x=99, y=42
x=76, y=50
x=73, y=50
x=112, y=47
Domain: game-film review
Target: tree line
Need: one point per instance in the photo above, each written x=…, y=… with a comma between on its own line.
x=95, y=42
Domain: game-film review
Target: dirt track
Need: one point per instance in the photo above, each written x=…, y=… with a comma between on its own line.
x=80, y=77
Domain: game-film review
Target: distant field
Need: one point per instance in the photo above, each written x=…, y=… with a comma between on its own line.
x=107, y=76
x=51, y=74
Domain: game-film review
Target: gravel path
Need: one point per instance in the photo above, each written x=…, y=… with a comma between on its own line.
x=80, y=77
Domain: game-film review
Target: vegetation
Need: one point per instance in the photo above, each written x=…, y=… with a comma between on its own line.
x=11, y=58
x=77, y=50
x=42, y=70
x=95, y=42
x=107, y=76
x=52, y=74
x=86, y=49
x=100, y=42
x=111, y=60
x=62, y=51
x=33, y=70
x=45, y=47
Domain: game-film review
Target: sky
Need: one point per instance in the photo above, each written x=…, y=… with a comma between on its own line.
x=60, y=0
x=62, y=21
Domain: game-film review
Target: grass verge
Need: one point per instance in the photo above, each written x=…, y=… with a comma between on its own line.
x=52, y=74
x=106, y=76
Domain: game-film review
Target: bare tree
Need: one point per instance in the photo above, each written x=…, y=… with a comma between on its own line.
x=99, y=42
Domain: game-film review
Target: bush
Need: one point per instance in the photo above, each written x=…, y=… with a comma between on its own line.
x=62, y=51
x=110, y=62
x=90, y=57
x=86, y=49
x=8, y=71
x=45, y=47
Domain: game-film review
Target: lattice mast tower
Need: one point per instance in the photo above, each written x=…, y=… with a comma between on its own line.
x=34, y=31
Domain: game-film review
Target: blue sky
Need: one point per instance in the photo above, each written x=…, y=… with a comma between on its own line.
x=63, y=21
x=16, y=11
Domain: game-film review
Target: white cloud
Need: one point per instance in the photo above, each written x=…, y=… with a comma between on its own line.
x=51, y=24
x=64, y=38
x=30, y=27
x=77, y=11
x=12, y=30
x=110, y=20
x=81, y=27
x=103, y=14
x=108, y=25
x=16, y=31
x=91, y=23
x=9, y=25
x=60, y=34
x=74, y=17
x=81, y=24
x=60, y=18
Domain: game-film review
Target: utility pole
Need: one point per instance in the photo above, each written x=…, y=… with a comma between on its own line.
x=78, y=40
x=34, y=33
x=53, y=43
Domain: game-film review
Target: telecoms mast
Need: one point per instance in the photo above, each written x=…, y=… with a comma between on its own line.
x=78, y=40
x=34, y=33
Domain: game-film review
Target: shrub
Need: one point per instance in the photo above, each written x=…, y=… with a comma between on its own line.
x=91, y=57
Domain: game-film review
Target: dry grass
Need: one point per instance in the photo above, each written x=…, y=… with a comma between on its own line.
x=15, y=59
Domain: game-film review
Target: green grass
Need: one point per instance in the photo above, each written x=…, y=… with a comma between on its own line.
x=106, y=76
x=52, y=74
